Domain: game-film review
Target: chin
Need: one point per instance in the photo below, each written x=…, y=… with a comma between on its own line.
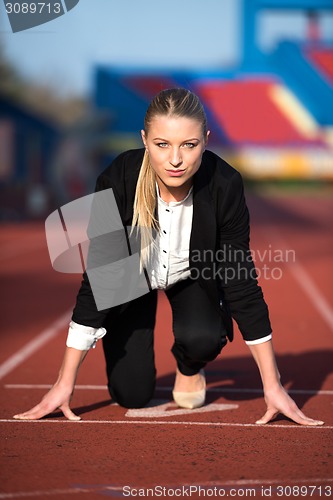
x=176, y=182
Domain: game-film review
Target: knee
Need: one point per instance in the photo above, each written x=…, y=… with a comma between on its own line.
x=201, y=347
x=131, y=397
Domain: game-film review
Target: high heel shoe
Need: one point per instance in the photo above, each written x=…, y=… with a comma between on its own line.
x=190, y=400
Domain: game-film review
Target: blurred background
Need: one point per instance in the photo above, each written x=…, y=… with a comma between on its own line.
x=73, y=92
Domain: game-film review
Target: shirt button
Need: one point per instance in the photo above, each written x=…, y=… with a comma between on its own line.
x=164, y=266
x=164, y=231
x=164, y=251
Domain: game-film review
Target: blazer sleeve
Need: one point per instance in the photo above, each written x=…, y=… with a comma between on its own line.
x=240, y=288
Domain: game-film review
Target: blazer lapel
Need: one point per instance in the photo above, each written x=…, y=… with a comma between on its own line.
x=203, y=234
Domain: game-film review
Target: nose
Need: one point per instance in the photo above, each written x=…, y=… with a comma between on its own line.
x=175, y=157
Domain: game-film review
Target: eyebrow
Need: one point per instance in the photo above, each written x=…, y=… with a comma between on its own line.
x=165, y=140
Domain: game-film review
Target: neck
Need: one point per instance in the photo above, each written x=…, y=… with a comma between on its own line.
x=170, y=193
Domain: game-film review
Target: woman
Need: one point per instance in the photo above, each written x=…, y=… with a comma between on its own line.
x=194, y=202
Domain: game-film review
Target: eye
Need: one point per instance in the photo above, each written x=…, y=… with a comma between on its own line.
x=162, y=144
x=190, y=145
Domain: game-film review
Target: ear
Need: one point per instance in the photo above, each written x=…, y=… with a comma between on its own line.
x=206, y=138
x=143, y=137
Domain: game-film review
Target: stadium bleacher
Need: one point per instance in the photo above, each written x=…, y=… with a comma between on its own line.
x=322, y=58
x=273, y=113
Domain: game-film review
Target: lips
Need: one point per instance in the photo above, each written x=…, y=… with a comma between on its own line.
x=175, y=173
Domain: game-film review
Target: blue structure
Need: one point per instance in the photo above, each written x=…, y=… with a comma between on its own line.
x=27, y=146
x=277, y=100
x=289, y=61
x=252, y=54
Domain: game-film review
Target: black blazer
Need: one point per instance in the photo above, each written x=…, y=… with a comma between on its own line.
x=219, y=246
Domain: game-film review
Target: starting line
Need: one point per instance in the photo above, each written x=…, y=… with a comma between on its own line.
x=168, y=422
x=158, y=408
x=169, y=389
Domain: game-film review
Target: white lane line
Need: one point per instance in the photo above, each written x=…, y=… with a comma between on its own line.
x=169, y=389
x=204, y=485
x=241, y=482
x=306, y=282
x=166, y=422
x=313, y=292
x=46, y=493
x=34, y=345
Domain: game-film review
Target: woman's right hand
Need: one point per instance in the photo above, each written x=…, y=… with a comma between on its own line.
x=58, y=397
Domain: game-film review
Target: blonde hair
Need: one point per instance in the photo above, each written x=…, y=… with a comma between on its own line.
x=176, y=102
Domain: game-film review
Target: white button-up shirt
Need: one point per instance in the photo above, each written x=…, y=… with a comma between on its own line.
x=170, y=253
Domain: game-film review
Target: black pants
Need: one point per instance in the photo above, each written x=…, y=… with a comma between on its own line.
x=129, y=344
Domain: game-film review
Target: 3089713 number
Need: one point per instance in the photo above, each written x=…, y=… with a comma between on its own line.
x=303, y=491
x=32, y=8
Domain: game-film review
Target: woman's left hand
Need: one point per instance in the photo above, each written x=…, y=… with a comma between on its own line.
x=278, y=401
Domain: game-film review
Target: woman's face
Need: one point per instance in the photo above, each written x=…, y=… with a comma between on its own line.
x=175, y=146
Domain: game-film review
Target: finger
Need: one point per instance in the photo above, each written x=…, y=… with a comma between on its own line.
x=34, y=413
x=295, y=415
x=29, y=415
x=310, y=421
x=40, y=410
x=270, y=414
x=69, y=413
x=299, y=417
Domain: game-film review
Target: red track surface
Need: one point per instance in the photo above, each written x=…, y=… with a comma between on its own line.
x=63, y=460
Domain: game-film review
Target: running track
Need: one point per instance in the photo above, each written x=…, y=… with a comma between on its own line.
x=220, y=447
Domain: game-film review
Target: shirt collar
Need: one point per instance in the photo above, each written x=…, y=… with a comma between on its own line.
x=172, y=203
